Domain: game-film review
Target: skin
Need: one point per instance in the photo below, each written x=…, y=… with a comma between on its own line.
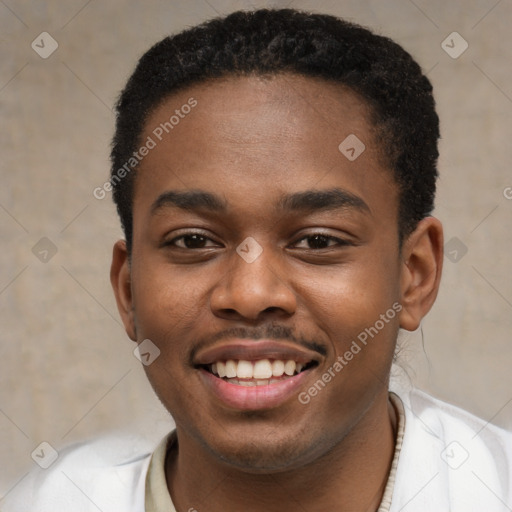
x=250, y=142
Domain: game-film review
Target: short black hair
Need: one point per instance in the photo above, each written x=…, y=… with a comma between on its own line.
x=273, y=41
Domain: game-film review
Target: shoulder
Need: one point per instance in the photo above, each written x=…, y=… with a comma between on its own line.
x=451, y=458
x=446, y=422
x=106, y=474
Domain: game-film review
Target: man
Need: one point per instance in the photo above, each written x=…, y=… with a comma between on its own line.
x=275, y=172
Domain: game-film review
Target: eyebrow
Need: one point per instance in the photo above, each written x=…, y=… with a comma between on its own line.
x=319, y=200
x=189, y=200
x=309, y=200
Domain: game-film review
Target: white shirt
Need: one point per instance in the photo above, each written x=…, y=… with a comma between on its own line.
x=449, y=461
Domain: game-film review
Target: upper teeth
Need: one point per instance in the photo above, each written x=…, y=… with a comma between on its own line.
x=261, y=369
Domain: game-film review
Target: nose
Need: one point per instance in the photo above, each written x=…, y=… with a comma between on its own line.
x=253, y=290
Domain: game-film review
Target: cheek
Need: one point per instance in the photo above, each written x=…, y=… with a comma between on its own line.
x=359, y=317
x=170, y=304
x=357, y=291
x=358, y=301
x=167, y=301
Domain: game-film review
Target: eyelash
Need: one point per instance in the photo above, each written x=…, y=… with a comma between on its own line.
x=338, y=241
x=173, y=243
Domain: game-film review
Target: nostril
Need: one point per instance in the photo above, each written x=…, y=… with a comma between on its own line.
x=272, y=309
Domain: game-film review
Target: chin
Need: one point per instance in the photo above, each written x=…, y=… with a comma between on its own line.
x=264, y=453
x=250, y=459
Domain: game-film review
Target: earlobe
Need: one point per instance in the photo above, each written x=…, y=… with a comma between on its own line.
x=422, y=261
x=120, y=278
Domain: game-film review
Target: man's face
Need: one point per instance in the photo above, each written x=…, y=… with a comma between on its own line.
x=255, y=238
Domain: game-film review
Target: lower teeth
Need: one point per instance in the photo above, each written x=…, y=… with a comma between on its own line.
x=250, y=383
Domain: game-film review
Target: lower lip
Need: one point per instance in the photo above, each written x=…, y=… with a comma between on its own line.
x=253, y=398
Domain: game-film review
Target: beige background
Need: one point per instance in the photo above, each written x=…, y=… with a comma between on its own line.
x=67, y=368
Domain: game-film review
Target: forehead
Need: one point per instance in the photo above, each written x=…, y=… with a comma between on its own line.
x=261, y=136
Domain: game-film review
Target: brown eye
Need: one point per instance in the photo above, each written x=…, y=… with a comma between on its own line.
x=192, y=241
x=319, y=241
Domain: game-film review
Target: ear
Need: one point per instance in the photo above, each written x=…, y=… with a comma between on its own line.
x=422, y=262
x=120, y=278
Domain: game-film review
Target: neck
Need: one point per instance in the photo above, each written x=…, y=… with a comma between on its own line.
x=351, y=476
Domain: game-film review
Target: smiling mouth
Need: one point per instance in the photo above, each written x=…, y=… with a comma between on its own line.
x=261, y=372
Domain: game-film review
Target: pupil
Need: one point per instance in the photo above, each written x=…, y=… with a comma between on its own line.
x=194, y=241
x=318, y=242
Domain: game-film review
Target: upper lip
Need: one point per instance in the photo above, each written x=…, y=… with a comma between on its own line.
x=254, y=350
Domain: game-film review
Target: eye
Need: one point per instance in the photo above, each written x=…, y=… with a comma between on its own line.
x=192, y=241
x=319, y=241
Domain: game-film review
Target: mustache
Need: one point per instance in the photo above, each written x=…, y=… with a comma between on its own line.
x=268, y=332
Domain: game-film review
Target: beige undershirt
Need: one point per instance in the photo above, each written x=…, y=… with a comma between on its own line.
x=158, y=498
